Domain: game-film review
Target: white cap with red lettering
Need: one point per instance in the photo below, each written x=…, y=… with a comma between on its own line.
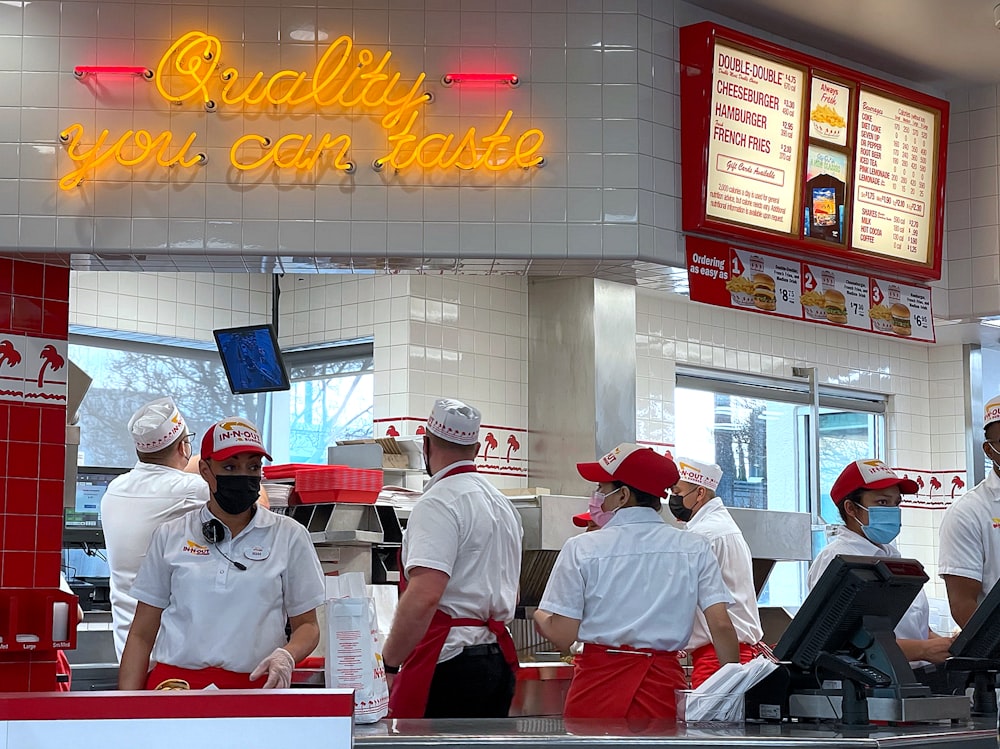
x=156, y=425
x=701, y=474
x=991, y=412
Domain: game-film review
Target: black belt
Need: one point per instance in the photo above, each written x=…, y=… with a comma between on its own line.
x=482, y=650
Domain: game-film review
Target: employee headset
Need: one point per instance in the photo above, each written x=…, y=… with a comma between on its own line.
x=214, y=531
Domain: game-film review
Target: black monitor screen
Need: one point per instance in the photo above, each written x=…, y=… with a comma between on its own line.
x=851, y=588
x=252, y=359
x=980, y=638
x=91, y=483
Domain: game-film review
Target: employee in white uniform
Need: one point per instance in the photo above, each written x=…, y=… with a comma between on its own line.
x=156, y=490
x=449, y=653
x=218, y=584
x=629, y=593
x=693, y=502
x=867, y=494
x=969, y=550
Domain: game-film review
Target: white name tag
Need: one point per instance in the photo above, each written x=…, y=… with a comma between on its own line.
x=256, y=553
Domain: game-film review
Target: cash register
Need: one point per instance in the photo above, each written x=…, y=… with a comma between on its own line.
x=83, y=539
x=841, y=653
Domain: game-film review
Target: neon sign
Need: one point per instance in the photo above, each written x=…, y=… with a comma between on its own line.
x=343, y=78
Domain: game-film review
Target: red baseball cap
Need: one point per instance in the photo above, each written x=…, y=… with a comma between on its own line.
x=639, y=467
x=582, y=520
x=871, y=475
x=230, y=437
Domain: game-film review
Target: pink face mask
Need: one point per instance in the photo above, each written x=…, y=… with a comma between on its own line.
x=597, y=512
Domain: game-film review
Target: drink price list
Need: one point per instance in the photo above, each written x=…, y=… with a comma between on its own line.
x=893, y=178
x=755, y=281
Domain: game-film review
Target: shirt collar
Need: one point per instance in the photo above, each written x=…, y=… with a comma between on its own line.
x=262, y=518
x=709, y=508
x=630, y=515
x=993, y=482
x=842, y=531
x=441, y=474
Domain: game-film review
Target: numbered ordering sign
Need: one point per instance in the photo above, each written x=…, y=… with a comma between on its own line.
x=741, y=278
x=796, y=153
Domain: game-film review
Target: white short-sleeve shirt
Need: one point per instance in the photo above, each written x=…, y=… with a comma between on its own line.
x=716, y=525
x=970, y=535
x=915, y=623
x=135, y=504
x=637, y=581
x=215, y=615
x=463, y=526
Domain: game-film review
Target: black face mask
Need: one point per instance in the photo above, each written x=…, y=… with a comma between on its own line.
x=236, y=494
x=676, y=504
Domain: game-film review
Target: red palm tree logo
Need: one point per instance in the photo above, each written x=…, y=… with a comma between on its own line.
x=956, y=484
x=391, y=431
x=50, y=360
x=512, y=444
x=421, y=430
x=9, y=354
x=920, y=482
x=491, y=442
x=935, y=484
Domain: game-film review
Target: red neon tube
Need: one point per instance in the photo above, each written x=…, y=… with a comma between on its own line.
x=509, y=78
x=109, y=70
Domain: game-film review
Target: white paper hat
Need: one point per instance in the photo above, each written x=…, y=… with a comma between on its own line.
x=454, y=421
x=156, y=425
x=703, y=474
x=991, y=411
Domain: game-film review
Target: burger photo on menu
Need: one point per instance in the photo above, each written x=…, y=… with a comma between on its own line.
x=740, y=291
x=814, y=304
x=763, y=292
x=836, y=307
x=901, y=319
x=881, y=317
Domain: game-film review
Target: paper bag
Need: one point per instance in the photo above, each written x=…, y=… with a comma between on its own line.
x=354, y=652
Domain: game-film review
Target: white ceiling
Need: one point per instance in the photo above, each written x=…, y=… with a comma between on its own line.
x=938, y=43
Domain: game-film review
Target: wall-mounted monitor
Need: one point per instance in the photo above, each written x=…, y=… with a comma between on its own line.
x=252, y=359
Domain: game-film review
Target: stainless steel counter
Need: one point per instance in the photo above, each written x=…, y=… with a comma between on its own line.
x=553, y=732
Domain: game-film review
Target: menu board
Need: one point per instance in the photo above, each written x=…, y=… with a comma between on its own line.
x=747, y=279
x=754, y=146
x=792, y=152
x=893, y=172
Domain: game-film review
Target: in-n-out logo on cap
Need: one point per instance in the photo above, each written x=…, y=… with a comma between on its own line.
x=992, y=411
x=613, y=459
x=237, y=431
x=874, y=470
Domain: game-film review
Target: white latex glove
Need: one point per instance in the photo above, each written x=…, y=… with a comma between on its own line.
x=278, y=667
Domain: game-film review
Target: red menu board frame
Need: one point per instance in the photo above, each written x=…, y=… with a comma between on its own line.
x=769, y=64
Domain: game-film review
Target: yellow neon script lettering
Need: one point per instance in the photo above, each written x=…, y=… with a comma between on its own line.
x=523, y=154
x=142, y=146
x=281, y=153
x=188, y=69
x=195, y=58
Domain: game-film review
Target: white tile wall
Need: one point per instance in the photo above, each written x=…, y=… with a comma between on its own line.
x=176, y=305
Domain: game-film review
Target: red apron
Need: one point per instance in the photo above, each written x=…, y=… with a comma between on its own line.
x=705, y=663
x=624, y=683
x=62, y=667
x=202, y=677
x=411, y=687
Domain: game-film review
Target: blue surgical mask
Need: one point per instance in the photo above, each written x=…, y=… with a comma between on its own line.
x=883, y=524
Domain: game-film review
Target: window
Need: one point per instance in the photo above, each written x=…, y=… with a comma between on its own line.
x=757, y=430
x=331, y=397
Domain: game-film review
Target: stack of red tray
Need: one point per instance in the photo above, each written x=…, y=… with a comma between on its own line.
x=316, y=484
